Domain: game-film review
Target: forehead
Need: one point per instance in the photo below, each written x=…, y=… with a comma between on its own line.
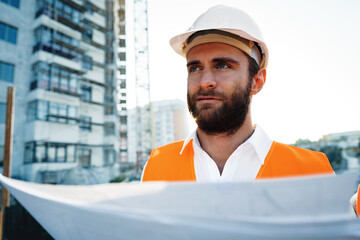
x=215, y=50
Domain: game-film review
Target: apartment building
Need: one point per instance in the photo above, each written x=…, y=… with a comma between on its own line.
x=60, y=55
x=170, y=120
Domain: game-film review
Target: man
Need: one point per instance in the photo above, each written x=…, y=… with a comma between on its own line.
x=226, y=63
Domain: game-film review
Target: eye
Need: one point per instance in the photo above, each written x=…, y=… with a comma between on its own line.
x=222, y=66
x=193, y=68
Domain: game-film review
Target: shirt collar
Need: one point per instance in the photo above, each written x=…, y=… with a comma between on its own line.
x=193, y=136
x=259, y=140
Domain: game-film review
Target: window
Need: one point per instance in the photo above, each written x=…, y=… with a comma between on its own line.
x=85, y=123
x=64, y=80
x=109, y=110
x=8, y=33
x=62, y=112
x=40, y=75
x=56, y=152
x=63, y=10
x=73, y=80
x=51, y=111
x=85, y=157
x=122, y=70
x=89, y=9
x=123, y=84
x=123, y=119
x=72, y=114
x=54, y=76
x=87, y=34
x=42, y=110
x=49, y=152
x=86, y=93
x=14, y=3
x=29, y=152
x=7, y=72
x=70, y=154
x=2, y=113
x=109, y=129
x=40, y=153
x=87, y=62
x=109, y=98
x=50, y=77
x=46, y=38
x=122, y=43
x=109, y=156
x=122, y=56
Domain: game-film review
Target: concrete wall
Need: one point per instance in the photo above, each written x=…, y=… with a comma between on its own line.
x=19, y=55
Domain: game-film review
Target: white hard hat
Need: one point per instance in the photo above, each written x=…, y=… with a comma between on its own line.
x=230, y=20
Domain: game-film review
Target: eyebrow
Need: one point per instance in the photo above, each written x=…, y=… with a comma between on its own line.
x=225, y=59
x=215, y=60
x=192, y=63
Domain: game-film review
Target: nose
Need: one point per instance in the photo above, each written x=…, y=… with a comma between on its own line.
x=207, y=80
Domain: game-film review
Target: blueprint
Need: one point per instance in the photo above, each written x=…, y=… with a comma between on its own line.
x=314, y=207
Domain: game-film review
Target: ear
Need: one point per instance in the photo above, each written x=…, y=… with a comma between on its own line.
x=258, y=81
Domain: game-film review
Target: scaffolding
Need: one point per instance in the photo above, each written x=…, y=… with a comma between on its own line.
x=143, y=105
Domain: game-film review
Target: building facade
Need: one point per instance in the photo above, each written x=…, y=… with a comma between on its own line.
x=169, y=124
x=60, y=55
x=121, y=86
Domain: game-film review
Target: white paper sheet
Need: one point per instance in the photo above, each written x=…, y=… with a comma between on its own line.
x=295, y=208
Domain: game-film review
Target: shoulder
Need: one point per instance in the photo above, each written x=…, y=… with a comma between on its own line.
x=298, y=155
x=167, y=164
x=287, y=160
x=165, y=156
x=296, y=151
x=171, y=148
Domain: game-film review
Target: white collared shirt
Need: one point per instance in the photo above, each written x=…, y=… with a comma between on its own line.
x=242, y=165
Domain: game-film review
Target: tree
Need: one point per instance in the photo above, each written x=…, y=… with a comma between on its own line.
x=334, y=155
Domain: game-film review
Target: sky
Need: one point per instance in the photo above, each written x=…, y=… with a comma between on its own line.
x=313, y=83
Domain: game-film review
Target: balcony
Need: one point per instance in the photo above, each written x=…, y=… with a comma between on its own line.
x=72, y=44
x=71, y=20
x=73, y=65
x=56, y=49
x=54, y=88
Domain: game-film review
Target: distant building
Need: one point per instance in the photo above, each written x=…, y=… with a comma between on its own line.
x=60, y=55
x=343, y=140
x=120, y=33
x=170, y=123
x=342, y=149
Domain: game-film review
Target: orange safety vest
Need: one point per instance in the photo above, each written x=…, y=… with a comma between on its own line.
x=166, y=163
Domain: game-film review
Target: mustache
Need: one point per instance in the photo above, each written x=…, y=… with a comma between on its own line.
x=211, y=92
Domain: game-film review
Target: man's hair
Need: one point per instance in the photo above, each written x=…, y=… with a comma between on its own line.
x=253, y=67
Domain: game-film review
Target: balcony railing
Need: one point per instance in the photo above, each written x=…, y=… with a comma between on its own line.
x=57, y=50
x=73, y=21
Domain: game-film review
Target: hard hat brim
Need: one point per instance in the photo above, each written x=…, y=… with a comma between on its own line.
x=178, y=41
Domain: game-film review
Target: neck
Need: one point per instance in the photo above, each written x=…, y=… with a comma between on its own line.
x=220, y=146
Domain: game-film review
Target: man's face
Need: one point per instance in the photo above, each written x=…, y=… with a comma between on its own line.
x=218, y=87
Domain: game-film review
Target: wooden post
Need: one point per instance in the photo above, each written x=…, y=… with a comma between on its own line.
x=9, y=128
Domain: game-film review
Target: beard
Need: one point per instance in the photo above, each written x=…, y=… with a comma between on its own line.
x=226, y=119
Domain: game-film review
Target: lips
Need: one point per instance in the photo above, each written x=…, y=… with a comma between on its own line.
x=207, y=98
